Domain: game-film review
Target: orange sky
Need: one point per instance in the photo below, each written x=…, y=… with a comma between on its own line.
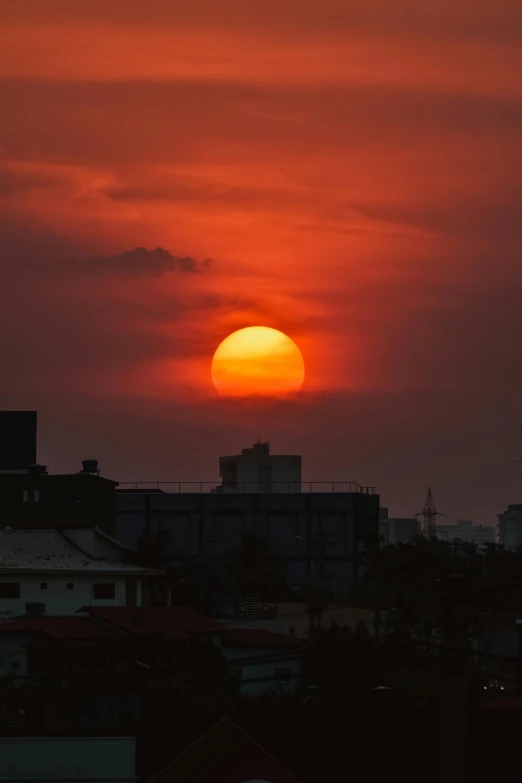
x=352, y=170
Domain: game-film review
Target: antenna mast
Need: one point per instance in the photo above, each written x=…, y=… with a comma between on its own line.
x=430, y=514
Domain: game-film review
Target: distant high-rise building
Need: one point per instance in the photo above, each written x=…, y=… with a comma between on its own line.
x=397, y=530
x=465, y=530
x=384, y=526
x=510, y=527
x=256, y=470
x=403, y=529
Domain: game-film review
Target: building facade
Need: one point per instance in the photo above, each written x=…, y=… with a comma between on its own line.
x=68, y=759
x=397, y=530
x=59, y=572
x=31, y=497
x=319, y=536
x=256, y=470
x=36, y=500
x=510, y=527
x=465, y=530
x=260, y=660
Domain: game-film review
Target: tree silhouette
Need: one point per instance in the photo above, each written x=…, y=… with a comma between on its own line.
x=152, y=552
x=317, y=599
x=255, y=567
x=152, y=549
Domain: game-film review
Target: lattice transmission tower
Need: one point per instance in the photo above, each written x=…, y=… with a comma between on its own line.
x=430, y=514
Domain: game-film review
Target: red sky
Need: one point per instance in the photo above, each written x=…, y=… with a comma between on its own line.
x=354, y=172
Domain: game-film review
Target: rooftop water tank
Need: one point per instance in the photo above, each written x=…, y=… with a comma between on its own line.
x=90, y=466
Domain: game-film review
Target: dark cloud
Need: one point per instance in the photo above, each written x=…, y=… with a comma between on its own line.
x=104, y=313
x=139, y=262
x=174, y=120
x=13, y=181
x=472, y=19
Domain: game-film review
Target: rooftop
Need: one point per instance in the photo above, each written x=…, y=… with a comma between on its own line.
x=173, y=621
x=58, y=627
x=183, y=487
x=257, y=637
x=49, y=551
x=224, y=753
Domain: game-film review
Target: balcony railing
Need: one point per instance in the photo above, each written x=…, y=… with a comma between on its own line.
x=262, y=487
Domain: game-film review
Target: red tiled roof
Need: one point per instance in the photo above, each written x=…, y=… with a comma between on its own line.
x=224, y=754
x=58, y=627
x=256, y=638
x=174, y=621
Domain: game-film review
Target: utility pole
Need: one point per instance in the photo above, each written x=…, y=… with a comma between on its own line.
x=455, y=661
x=430, y=514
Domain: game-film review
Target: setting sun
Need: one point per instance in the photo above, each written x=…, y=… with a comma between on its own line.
x=257, y=361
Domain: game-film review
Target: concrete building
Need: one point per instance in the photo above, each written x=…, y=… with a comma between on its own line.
x=403, y=529
x=256, y=470
x=261, y=661
x=465, y=530
x=384, y=526
x=57, y=759
x=58, y=572
x=31, y=497
x=318, y=535
x=397, y=530
x=495, y=639
x=510, y=527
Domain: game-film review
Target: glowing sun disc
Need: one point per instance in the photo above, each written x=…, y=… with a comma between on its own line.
x=257, y=361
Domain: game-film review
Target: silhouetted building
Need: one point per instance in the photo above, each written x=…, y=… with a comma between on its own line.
x=57, y=572
x=55, y=501
x=403, y=529
x=32, y=497
x=396, y=530
x=17, y=440
x=465, y=530
x=510, y=527
x=260, y=661
x=256, y=470
x=319, y=536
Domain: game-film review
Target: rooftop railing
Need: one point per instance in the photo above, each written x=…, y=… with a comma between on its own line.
x=239, y=487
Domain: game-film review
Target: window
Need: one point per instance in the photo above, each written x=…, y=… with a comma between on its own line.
x=15, y=665
x=236, y=673
x=9, y=589
x=70, y=585
x=104, y=591
x=43, y=585
x=283, y=675
x=31, y=496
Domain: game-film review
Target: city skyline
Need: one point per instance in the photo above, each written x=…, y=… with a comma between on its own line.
x=344, y=173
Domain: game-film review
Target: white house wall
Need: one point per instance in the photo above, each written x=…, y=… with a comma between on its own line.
x=260, y=677
x=58, y=599
x=67, y=758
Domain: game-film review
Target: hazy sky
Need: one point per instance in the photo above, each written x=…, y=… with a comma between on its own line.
x=354, y=172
